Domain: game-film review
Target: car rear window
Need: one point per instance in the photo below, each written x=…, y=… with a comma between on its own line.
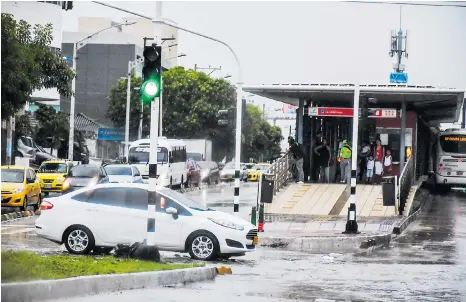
x=84, y=171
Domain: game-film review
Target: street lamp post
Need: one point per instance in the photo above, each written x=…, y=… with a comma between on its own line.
x=131, y=66
x=239, y=109
x=76, y=46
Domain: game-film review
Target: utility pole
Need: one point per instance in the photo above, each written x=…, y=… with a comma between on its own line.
x=212, y=69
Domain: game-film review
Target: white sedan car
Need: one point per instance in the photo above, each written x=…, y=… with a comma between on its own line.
x=123, y=174
x=109, y=214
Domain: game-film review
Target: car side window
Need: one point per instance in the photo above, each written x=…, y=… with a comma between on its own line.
x=163, y=202
x=136, y=198
x=109, y=196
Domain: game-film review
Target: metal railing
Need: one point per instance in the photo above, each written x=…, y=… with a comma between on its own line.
x=405, y=183
x=280, y=170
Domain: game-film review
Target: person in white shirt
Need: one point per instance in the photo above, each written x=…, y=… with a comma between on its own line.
x=387, y=163
x=370, y=169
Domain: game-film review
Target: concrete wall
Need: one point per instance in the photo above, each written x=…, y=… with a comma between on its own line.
x=99, y=67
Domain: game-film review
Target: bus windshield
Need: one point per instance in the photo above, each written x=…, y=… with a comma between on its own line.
x=141, y=155
x=453, y=143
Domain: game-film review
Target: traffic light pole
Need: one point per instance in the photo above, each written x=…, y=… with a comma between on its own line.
x=152, y=196
x=239, y=106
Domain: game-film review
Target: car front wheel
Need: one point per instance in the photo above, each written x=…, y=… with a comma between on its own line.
x=203, y=246
x=79, y=240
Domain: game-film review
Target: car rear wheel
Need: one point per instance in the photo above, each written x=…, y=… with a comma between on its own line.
x=203, y=246
x=79, y=240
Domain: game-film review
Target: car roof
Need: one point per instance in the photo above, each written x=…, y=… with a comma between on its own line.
x=159, y=189
x=119, y=165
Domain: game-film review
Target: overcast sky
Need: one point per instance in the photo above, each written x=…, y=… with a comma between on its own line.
x=314, y=42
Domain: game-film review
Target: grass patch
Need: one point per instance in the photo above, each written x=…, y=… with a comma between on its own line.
x=26, y=266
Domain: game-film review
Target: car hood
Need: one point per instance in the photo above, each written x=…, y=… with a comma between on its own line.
x=225, y=216
x=50, y=175
x=120, y=178
x=10, y=186
x=82, y=181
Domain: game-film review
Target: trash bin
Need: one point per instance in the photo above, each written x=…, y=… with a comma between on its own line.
x=388, y=191
x=267, y=184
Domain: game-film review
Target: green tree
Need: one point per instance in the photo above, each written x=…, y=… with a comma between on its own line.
x=52, y=128
x=262, y=140
x=116, y=111
x=23, y=125
x=28, y=64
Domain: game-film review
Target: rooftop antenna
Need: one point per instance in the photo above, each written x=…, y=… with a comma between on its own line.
x=398, y=47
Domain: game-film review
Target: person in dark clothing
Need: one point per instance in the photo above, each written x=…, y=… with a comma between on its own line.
x=323, y=160
x=296, y=158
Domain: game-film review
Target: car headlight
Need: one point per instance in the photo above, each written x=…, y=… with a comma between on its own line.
x=18, y=190
x=227, y=224
x=62, y=179
x=222, y=173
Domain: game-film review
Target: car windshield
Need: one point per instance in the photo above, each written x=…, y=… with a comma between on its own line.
x=53, y=168
x=205, y=164
x=13, y=175
x=184, y=200
x=141, y=155
x=84, y=171
x=118, y=170
x=453, y=144
x=229, y=166
x=194, y=155
x=260, y=167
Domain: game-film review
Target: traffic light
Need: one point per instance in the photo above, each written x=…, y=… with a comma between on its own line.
x=152, y=73
x=223, y=118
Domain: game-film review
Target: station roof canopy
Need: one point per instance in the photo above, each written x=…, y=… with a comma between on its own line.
x=435, y=105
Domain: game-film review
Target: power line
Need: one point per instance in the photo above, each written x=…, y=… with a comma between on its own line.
x=411, y=3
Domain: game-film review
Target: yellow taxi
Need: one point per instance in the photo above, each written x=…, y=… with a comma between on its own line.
x=255, y=172
x=52, y=175
x=20, y=187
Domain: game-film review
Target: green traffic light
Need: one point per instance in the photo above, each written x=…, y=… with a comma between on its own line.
x=150, y=89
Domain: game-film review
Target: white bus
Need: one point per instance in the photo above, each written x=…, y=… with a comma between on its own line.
x=449, y=159
x=171, y=160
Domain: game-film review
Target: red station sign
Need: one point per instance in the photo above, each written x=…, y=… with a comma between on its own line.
x=348, y=112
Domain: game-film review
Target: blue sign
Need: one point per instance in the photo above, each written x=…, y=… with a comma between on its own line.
x=111, y=134
x=398, y=77
x=68, y=58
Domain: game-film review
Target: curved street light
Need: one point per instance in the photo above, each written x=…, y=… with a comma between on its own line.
x=76, y=47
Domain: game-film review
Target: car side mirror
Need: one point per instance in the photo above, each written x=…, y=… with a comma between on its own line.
x=172, y=211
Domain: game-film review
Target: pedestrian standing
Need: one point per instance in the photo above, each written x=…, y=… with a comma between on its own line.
x=297, y=158
x=365, y=153
x=370, y=169
x=378, y=154
x=387, y=163
x=323, y=162
x=345, y=155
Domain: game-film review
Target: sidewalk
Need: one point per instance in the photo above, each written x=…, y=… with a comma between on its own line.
x=325, y=234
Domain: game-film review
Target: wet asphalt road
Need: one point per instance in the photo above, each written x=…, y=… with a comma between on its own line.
x=426, y=263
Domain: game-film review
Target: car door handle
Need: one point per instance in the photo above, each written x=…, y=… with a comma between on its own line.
x=92, y=210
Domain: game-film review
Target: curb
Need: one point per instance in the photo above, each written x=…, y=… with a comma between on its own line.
x=325, y=245
x=425, y=206
x=88, y=285
x=203, y=187
x=16, y=215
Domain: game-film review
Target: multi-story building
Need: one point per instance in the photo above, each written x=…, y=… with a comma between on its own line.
x=40, y=12
x=104, y=59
